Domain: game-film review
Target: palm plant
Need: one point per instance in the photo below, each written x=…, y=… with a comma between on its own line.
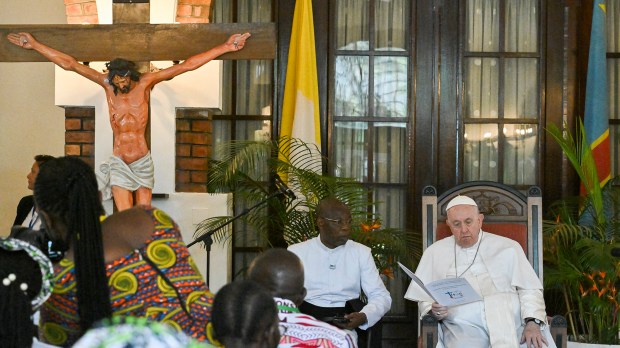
x=578, y=243
x=246, y=169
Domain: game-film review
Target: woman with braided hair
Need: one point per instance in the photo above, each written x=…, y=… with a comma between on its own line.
x=134, y=263
x=66, y=195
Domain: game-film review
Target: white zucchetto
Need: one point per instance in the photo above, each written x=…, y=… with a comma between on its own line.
x=461, y=200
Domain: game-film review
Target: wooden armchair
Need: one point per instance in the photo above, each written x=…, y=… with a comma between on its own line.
x=507, y=212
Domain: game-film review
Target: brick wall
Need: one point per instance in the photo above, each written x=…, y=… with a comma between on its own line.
x=194, y=136
x=188, y=11
x=80, y=133
x=194, y=139
x=193, y=11
x=81, y=11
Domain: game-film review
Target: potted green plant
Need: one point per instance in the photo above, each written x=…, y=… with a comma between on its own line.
x=578, y=244
x=246, y=168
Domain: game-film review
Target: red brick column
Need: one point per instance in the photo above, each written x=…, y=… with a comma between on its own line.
x=80, y=133
x=194, y=142
x=193, y=11
x=81, y=12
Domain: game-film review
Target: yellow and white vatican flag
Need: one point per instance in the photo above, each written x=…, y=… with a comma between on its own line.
x=300, y=107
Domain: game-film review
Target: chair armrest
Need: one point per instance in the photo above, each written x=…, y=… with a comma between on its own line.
x=428, y=332
x=557, y=326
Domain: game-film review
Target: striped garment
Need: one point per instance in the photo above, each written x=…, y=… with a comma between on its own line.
x=136, y=289
x=304, y=331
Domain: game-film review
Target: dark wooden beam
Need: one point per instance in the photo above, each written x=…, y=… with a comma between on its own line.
x=139, y=42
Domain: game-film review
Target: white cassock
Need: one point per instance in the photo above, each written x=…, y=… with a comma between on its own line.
x=498, y=270
x=334, y=276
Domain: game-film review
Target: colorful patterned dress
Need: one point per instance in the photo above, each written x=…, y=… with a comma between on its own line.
x=136, y=288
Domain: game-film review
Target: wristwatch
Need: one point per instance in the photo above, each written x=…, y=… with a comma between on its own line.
x=537, y=321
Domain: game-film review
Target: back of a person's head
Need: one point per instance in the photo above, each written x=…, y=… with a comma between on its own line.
x=66, y=193
x=25, y=274
x=60, y=182
x=245, y=315
x=281, y=272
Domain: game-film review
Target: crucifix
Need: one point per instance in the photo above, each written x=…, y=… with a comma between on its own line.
x=127, y=92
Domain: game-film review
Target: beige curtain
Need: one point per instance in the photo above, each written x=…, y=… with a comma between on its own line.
x=369, y=138
x=514, y=142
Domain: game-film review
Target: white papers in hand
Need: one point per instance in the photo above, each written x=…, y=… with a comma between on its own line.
x=447, y=292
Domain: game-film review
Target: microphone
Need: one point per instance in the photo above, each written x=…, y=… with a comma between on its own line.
x=281, y=186
x=615, y=252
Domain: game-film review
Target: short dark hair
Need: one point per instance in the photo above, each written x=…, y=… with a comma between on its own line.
x=121, y=67
x=328, y=204
x=40, y=159
x=243, y=312
x=281, y=272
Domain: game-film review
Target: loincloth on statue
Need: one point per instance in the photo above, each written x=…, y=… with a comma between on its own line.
x=131, y=176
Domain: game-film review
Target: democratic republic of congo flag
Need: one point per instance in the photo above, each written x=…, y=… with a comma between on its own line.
x=596, y=118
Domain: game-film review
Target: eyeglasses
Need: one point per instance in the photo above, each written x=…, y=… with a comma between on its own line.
x=339, y=222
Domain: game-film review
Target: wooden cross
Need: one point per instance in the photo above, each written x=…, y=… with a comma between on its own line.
x=139, y=42
x=136, y=41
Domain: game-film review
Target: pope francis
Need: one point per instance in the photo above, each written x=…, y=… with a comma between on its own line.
x=512, y=310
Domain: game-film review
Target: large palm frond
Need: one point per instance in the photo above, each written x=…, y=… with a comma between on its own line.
x=246, y=167
x=577, y=247
x=579, y=153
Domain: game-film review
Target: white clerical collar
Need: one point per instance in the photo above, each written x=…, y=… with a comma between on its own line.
x=468, y=251
x=326, y=248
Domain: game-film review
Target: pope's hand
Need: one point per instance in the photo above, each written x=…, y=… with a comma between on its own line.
x=533, y=337
x=438, y=311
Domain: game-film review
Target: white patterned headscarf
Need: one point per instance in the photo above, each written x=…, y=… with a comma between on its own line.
x=45, y=265
x=121, y=332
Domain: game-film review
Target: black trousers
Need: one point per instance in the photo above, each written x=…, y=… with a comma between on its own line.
x=370, y=338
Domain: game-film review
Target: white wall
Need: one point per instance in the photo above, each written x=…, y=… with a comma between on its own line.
x=188, y=209
x=30, y=122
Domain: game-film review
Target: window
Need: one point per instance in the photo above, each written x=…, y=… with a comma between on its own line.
x=247, y=110
x=369, y=104
x=501, y=91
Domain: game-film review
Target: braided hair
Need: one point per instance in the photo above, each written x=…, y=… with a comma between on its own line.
x=15, y=304
x=66, y=191
x=244, y=314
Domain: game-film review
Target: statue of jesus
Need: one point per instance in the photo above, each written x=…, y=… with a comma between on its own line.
x=130, y=169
